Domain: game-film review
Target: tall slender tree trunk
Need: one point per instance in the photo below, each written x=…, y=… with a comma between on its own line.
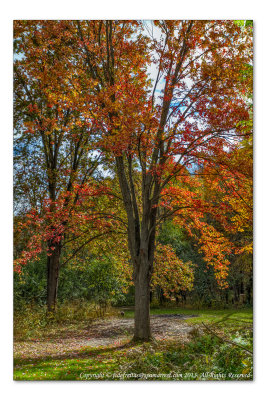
x=53, y=264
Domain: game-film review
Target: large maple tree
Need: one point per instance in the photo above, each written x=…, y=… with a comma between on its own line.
x=191, y=120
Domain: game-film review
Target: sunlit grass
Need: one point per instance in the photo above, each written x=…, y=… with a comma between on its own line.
x=89, y=362
x=204, y=315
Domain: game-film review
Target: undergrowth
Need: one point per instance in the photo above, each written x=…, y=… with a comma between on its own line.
x=33, y=320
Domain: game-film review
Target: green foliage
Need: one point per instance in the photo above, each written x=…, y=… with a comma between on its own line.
x=30, y=284
x=173, y=235
x=242, y=22
x=104, y=284
x=85, y=292
x=206, y=358
x=94, y=280
x=205, y=283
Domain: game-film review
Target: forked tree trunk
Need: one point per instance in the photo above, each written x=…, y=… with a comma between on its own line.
x=53, y=264
x=141, y=242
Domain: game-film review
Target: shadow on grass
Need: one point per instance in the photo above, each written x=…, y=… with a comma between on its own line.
x=227, y=318
x=82, y=354
x=95, y=362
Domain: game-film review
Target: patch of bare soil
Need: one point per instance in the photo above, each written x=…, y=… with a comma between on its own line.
x=113, y=331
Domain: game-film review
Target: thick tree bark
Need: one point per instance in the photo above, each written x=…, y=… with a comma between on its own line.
x=53, y=264
x=142, y=330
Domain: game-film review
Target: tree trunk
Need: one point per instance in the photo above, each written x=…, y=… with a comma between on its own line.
x=141, y=241
x=249, y=291
x=142, y=330
x=53, y=263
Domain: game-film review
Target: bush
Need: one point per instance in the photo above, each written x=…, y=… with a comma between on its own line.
x=90, y=280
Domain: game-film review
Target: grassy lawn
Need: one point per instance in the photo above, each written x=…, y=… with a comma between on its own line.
x=220, y=354
x=205, y=315
x=89, y=361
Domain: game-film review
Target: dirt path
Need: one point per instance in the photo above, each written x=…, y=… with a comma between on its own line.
x=113, y=331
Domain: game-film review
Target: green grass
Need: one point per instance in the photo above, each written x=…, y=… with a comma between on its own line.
x=90, y=361
x=243, y=315
x=204, y=357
